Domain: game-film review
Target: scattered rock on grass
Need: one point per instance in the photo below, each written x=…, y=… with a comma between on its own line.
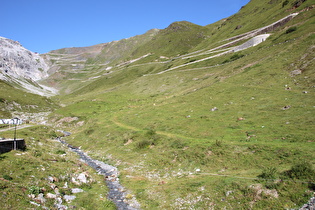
x=40, y=198
x=76, y=190
x=214, y=109
x=286, y=107
x=309, y=205
x=69, y=198
x=51, y=196
x=82, y=178
x=260, y=191
x=296, y=72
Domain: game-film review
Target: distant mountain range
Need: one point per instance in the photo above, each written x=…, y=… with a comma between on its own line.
x=46, y=74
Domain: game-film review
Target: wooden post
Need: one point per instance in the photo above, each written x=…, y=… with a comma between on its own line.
x=15, y=122
x=15, y=137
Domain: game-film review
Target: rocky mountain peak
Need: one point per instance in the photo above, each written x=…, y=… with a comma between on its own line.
x=21, y=66
x=17, y=61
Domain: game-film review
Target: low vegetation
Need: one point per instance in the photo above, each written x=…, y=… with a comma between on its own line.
x=34, y=177
x=15, y=100
x=234, y=131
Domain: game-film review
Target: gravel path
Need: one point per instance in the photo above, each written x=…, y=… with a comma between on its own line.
x=117, y=193
x=17, y=127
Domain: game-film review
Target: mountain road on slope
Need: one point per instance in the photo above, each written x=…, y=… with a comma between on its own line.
x=17, y=127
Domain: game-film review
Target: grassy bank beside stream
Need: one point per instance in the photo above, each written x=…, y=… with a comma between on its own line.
x=43, y=174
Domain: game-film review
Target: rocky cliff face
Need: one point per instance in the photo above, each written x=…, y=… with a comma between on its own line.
x=16, y=61
x=23, y=67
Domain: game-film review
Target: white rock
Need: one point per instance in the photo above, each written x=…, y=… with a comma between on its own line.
x=69, y=198
x=74, y=181
x=82, y=178
x=66, y=185
x=52, y=196
x=76, y=190
x=228, y=193
x=50, y=179
x=59, y=201
x=40, y=198
x=36, y=204
x=214, y=109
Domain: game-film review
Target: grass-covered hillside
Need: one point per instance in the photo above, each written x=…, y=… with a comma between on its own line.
x=188, y=130
x=72, y=68
x=14, y=101
x=42, y=175
x=199, y=117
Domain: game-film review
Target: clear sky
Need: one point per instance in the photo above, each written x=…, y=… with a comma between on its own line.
x=44, y=25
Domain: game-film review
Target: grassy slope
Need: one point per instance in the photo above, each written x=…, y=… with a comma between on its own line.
x=160, y=128
x=26, y=172
x=12, y=99
x=92, y=62
x=177, y=39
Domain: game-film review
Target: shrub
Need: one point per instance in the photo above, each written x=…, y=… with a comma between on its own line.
x=268, y=173
x=291, y=29
x=298, y=3
x=218, y=143
x=236, y=56
x=285, y=3
x=302, y=170
x=150, y=132
x=37, y=153
x=53, y=134
x=178, y=144
x=7, y=177
x=60, y=152
x=233, y=58
x=192, y=60
x=34, y=190
x=89, y=131
x=143, y=144
x=226, y=61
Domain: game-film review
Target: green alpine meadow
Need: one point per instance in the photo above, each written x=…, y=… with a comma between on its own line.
x=220, y=116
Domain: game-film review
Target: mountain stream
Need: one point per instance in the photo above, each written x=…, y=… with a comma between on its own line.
x=117, y=193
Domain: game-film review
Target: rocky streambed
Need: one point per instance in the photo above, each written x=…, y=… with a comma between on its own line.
x=117, y=193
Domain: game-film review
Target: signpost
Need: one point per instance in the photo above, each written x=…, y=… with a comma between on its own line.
x=15, y=121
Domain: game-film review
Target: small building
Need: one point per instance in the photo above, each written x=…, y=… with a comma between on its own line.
x=6, y=145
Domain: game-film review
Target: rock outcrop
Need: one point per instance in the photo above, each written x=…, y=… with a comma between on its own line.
x=23, y=67
x=17, y=61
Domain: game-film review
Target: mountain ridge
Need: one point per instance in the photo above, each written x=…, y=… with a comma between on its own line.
x=180, y=38
x=187, y=37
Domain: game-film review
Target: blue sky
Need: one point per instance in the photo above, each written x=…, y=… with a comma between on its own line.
x=44, y=25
